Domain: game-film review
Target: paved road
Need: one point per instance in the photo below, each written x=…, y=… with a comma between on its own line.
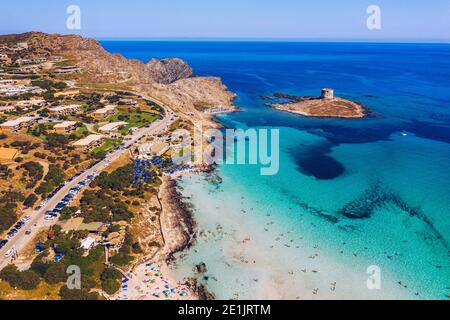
x=20, y=240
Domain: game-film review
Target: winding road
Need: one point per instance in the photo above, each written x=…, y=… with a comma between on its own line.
x=20, y=240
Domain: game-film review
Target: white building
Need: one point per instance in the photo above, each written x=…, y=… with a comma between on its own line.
x=13, y=90
x=112, y=127
x=90, y=142
x=17, y=124
x=64, y=110
x=68, y=70
x=7, y=108
x=65, y=127
x=30, y=103
x=104, y=112
x=88, y=243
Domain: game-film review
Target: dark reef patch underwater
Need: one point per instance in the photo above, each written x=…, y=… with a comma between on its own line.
x=364, y=206
x=315, y=161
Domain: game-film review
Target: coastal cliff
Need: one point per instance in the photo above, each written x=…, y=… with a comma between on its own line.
x=177, y=224
x=171, y=81
x=96, y=62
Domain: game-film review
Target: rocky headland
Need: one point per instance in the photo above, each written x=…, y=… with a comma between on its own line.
x=320, y=107
x=171, y=81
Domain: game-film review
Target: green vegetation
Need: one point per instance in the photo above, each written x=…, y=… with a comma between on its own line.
x=30, y=200
x=107, y=145
x=135, y=119
x=24, y=146
x=8, y=208
x=40, y=130
x=79, y=133
x=123, y=257
x=110, y=280
x=56, y=140
x=49, y=85
x=74, y=294
x=53, y=179
x=91, y=266
x=90, y=102
x=67, y=212
x=7, y=216
x=34, y=172
x=155, y=107
x=55, y=273
x=5, y=172
x=25, y=280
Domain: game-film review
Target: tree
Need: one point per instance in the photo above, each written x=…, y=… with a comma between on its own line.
x=75, y=294
x=56, y=273
x=25, y=280
x=56, y=140
x=111, y=274
x=39, y=266
x=110, y=286
x=9, y=273
x=28, y=280
x=30, y=200
x=54, y=178
x=7, y=217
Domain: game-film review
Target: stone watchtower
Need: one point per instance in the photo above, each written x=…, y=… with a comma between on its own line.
x=327, y=94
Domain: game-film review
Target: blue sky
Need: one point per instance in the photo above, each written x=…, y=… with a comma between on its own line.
x=303, y=19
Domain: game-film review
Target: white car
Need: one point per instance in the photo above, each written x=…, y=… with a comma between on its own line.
x=9, y=253
x=26, y=219
x=49, y=217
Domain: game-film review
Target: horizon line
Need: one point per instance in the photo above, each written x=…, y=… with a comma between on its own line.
x=261, y=39
x=249, y=39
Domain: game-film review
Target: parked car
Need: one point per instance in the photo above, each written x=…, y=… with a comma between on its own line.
x=3, y=243
x=9, y=253
x=58, y=257
x=39, y=247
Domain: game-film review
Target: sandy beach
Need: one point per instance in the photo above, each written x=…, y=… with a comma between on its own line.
x=152, y=278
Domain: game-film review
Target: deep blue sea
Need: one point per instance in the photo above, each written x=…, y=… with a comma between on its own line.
x=294, y=235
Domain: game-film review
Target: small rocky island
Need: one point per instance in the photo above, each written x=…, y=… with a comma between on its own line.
x=327, y=105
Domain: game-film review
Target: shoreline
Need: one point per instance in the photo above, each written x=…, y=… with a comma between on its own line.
x=178, y=225
x=249, y=259
x=177, y=221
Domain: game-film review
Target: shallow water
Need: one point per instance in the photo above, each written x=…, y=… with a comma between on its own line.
x=356, y=192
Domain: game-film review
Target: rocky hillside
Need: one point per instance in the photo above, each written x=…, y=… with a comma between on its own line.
x=169, y=80
x=97, y=62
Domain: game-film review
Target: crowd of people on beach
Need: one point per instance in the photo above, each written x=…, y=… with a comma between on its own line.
x=148, y=283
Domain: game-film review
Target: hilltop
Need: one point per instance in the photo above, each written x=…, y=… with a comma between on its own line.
x=170, y=80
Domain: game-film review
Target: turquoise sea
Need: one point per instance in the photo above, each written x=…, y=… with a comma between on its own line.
x=349, y=194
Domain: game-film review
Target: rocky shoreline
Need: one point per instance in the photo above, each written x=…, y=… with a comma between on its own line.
x=178, y=225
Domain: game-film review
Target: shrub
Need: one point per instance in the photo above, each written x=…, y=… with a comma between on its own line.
x=56, y=273
x=110, y=286
x=25, y=280
x=30, y=200
x=67, y=294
